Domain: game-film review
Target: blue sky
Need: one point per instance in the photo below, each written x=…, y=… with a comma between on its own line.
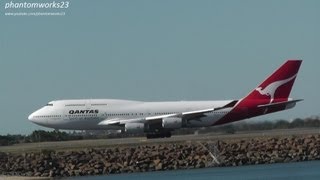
x=155, y=51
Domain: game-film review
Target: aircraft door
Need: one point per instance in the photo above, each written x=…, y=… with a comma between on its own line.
x=88, y=104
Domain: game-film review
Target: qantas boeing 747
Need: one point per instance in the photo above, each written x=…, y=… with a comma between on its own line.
x=159, y=119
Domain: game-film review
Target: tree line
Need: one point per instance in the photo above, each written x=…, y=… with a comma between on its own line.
x=256, y=126
x=38, y=136
x=269, y=125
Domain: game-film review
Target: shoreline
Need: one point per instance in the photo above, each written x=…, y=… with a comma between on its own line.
x=22, y=178
x=172, y=155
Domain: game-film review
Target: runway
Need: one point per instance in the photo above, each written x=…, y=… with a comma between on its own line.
x=105, y=143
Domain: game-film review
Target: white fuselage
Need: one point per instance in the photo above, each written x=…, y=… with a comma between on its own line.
x=87, y=114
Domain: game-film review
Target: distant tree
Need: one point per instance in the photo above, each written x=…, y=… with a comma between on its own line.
x=311, y=122
x=297, y=123
x=229, y=129
x=4, y=141
x=281, y=124
x=40, y=135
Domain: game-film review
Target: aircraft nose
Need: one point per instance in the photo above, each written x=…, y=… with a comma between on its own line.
x=33, y=118
x=30, y=117
x=37, y=117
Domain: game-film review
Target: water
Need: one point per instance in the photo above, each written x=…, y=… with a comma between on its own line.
x=280, y=171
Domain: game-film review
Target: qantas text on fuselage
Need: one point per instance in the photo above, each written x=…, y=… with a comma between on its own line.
x=159, y=119
x=96, y=111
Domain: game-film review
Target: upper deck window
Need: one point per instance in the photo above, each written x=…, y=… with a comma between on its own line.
x=102, y=104
x=75, y=105
x=49, y=104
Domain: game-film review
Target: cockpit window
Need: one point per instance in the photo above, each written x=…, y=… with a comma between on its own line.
x=49, y=104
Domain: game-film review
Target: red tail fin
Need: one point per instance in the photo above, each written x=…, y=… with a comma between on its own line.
x=277, y=87
x=270, y=96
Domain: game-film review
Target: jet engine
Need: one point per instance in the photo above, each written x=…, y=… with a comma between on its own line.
x=172, y=123
x=134, y=127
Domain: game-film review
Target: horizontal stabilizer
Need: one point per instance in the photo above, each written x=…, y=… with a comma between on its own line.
x=287, y=103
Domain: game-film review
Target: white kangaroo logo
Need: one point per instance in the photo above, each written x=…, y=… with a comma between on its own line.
x=271, y=88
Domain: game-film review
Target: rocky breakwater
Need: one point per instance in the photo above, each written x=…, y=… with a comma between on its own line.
x=269, y=150
x=169, y=156
x=105, y=161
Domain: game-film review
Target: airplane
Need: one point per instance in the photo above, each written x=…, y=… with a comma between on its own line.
x=159, y=119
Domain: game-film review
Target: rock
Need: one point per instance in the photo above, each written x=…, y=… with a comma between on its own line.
x=29, y=173
x=125, y=164
x=201, y=164
x=51, y=173
x=41, y=169
x=157, y=161
x=96, y=171
x=45, y=174
x=159, y=166
x=77, y=172
x=61, y=173
x=98, y=166
x=107, y=164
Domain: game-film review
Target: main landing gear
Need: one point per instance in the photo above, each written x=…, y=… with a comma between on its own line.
x=159, y=135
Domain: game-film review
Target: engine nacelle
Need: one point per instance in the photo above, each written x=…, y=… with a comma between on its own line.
x=172, y=123
x=134, y=127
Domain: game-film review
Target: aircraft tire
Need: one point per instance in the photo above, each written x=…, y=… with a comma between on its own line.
x=166, y=134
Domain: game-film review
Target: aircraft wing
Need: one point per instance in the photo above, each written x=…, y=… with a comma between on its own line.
x=110, y=122
x=180, y=114
x=184, y=115
x=151, y=119
x=119, y=121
